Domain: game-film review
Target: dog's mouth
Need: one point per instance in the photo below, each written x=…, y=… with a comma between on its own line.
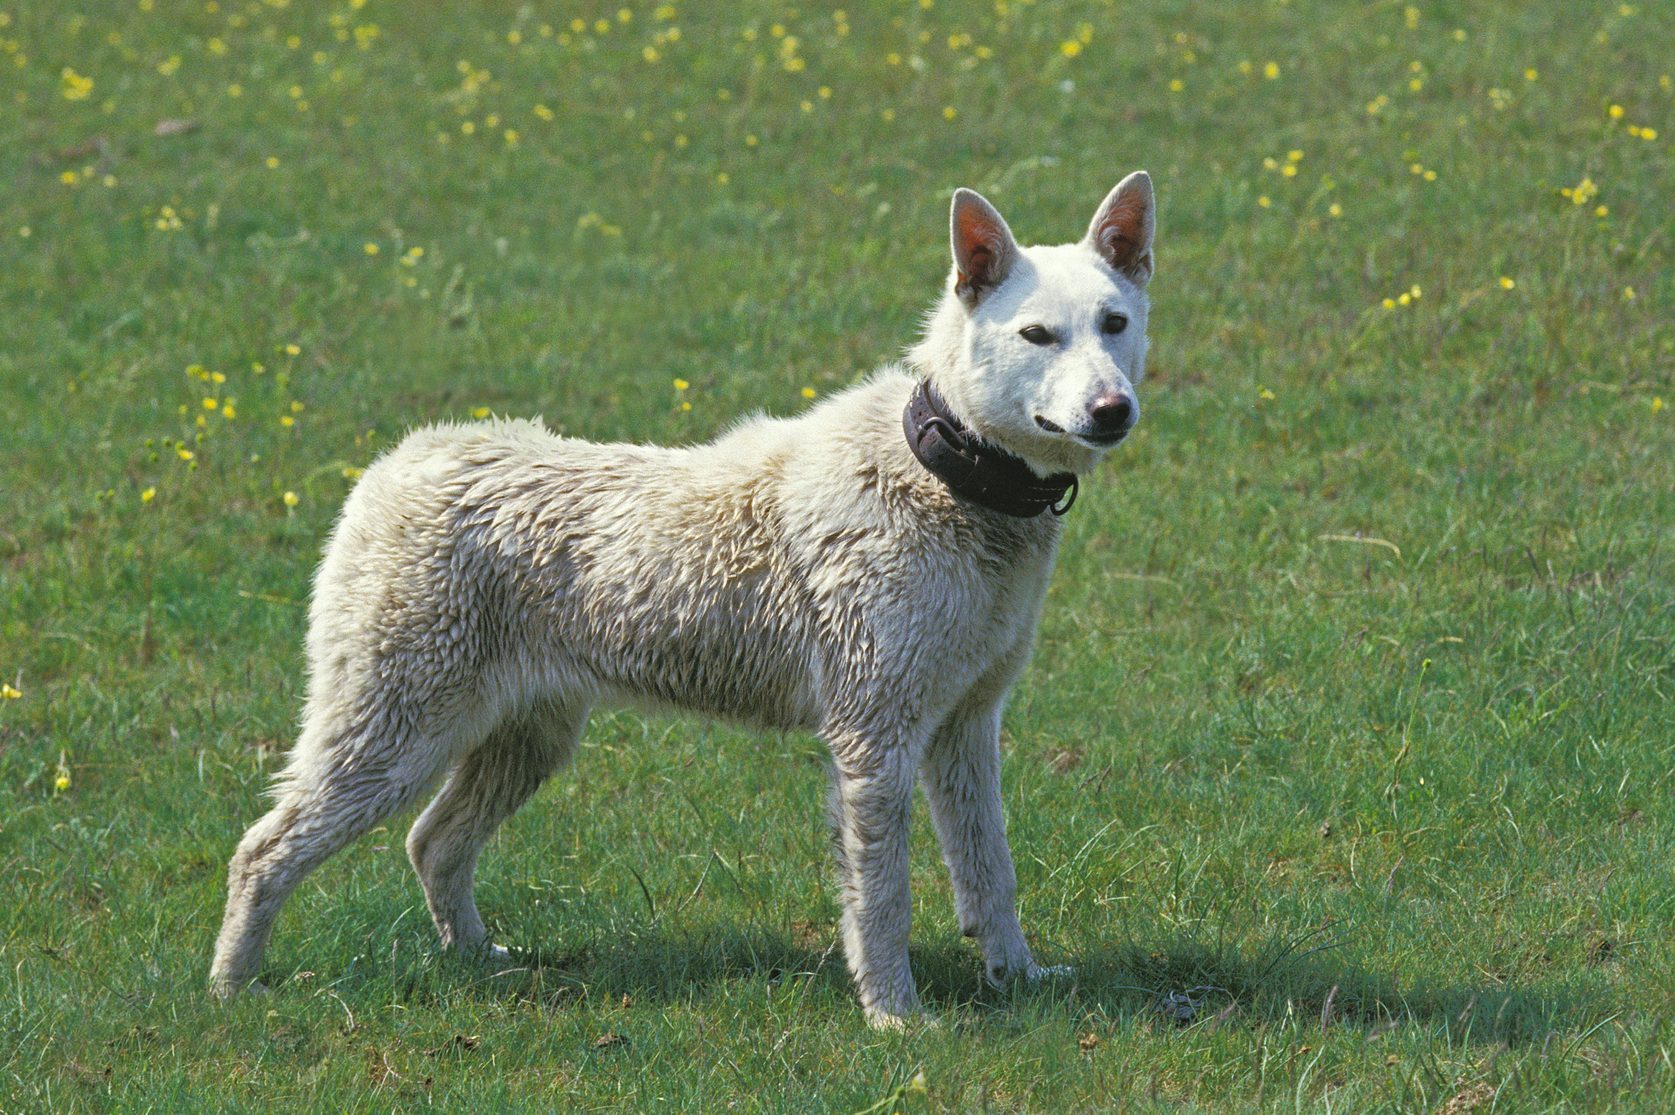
x=1102, y=441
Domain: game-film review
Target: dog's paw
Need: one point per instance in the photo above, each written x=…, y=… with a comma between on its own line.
x=226, y=990
x=887, y=1022
x=1038, y=972
x=1004, y=975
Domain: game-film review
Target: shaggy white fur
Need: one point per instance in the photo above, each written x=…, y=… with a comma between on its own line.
x=488, y=583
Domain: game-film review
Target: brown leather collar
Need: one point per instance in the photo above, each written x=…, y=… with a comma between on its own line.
x=975, y=470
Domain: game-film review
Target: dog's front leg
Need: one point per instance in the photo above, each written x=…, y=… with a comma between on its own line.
x=962, y=783
x=873, y=792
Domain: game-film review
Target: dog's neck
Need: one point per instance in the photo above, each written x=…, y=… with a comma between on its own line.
x=975, y=470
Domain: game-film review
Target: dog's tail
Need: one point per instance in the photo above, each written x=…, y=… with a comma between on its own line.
x=834, y=820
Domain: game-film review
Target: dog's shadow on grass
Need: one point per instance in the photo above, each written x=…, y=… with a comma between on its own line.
x=1170, y=985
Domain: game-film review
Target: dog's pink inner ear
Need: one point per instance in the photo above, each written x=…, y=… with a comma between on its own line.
x=1123, y=237
x=982, y=249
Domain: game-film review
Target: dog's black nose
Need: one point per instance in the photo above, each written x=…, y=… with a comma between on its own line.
x=1112, y=414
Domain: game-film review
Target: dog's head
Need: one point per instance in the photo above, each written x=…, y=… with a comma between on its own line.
x=1039, y=349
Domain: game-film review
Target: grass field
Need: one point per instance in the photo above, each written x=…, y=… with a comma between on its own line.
x=1345, y=770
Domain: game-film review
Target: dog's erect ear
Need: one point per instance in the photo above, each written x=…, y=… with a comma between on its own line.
x=1121, y=232
x=983, y=246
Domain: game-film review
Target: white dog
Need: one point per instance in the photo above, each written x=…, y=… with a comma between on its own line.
x=872, y=570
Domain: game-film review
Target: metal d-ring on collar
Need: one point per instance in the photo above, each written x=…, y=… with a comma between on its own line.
x=975, y=470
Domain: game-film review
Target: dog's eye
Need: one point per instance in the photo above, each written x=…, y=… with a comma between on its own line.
x=1036, y=335
x=1114, y=323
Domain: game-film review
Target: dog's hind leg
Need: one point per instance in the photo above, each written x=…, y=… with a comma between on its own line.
x=330, y=795
x=485, y=788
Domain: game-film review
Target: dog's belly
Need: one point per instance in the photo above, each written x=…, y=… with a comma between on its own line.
x=732, y=659
x=635, y=621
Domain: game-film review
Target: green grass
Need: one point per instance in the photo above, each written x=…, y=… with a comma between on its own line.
x=1351, y=716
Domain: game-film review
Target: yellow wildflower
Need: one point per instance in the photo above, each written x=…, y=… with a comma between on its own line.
x=74, y=86
x=1581, y=193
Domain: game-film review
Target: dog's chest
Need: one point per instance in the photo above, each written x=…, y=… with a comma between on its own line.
x=929, y=609
x=991, y=598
